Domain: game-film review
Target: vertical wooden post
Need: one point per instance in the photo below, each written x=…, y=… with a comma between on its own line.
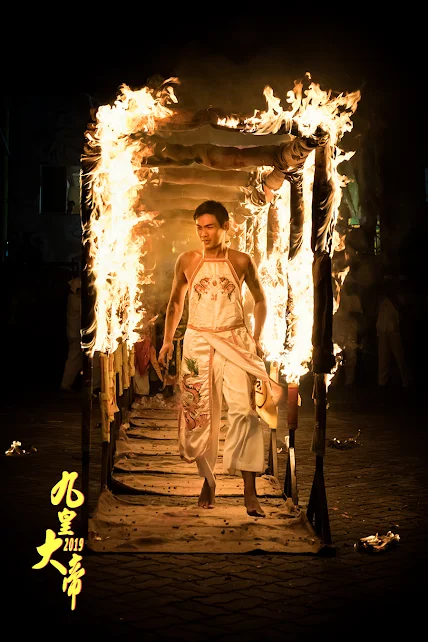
x=290, y=482
x=323, y=360
x=105, y=418
x=317, y=511
x=273, y=452
x=131, y=376
x=87, y=321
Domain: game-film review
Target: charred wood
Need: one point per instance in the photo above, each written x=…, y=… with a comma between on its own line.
x=291, y=156
x=297, y=213
x=323, y=358
x=323, y=211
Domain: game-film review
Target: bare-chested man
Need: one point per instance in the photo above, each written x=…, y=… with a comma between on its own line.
x=220, y=356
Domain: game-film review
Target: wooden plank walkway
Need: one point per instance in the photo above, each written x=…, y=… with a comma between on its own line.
x=152, y=505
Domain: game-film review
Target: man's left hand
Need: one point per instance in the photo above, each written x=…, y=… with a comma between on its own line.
x=260, y=351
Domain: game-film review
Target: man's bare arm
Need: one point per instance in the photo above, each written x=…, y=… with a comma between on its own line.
x=252, y=279
x=174, y=310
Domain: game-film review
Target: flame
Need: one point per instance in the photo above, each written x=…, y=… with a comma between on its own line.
x=309, y=109
x=121, y=141
x=114, y=230
x=287, y=336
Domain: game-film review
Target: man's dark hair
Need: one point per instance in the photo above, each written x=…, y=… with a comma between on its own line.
x=215, y=208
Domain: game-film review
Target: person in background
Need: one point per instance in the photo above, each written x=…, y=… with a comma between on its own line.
x=347, y=328
x=70, y=207
x=74, y=363
x=389, y=336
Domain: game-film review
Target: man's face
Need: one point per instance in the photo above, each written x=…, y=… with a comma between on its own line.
x=210, y=232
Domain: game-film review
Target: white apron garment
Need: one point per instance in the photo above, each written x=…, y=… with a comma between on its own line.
x=219, y=357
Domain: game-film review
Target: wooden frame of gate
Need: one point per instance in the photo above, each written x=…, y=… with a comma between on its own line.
x=224, y=172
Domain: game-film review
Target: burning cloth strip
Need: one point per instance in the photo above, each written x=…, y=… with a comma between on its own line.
x=378, y=543
x=15, y=449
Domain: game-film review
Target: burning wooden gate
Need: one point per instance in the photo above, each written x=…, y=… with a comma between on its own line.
x=146, y=166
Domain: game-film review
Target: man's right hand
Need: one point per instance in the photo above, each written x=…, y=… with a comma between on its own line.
x=165, y=353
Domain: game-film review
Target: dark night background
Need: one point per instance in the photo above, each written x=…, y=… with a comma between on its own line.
x=52, y=75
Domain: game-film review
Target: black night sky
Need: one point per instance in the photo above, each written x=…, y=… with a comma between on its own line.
x=375, y=54
x=233, y=57
x=229, y=59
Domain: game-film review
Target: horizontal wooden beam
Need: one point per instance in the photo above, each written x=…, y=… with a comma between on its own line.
x=199, y=192
x=190, y=176
x=162, y=205
x=187, y=120
x=213, y=156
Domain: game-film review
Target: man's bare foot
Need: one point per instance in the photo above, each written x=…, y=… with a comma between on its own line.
x=207, y=496
x=252, y=505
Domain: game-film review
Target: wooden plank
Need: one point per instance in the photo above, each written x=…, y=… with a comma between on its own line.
x=160, y=464
x=152, y=413
x=160, y=413
x=158, y=433
x=152, y=433
x=187, y=485
x=145, y=422
x=156, y=447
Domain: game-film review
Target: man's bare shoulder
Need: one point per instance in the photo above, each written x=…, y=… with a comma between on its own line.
x=187, y=262
x=241, y=258
x=187, y=258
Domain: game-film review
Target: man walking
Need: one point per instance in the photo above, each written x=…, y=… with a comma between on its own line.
x=220, y=356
